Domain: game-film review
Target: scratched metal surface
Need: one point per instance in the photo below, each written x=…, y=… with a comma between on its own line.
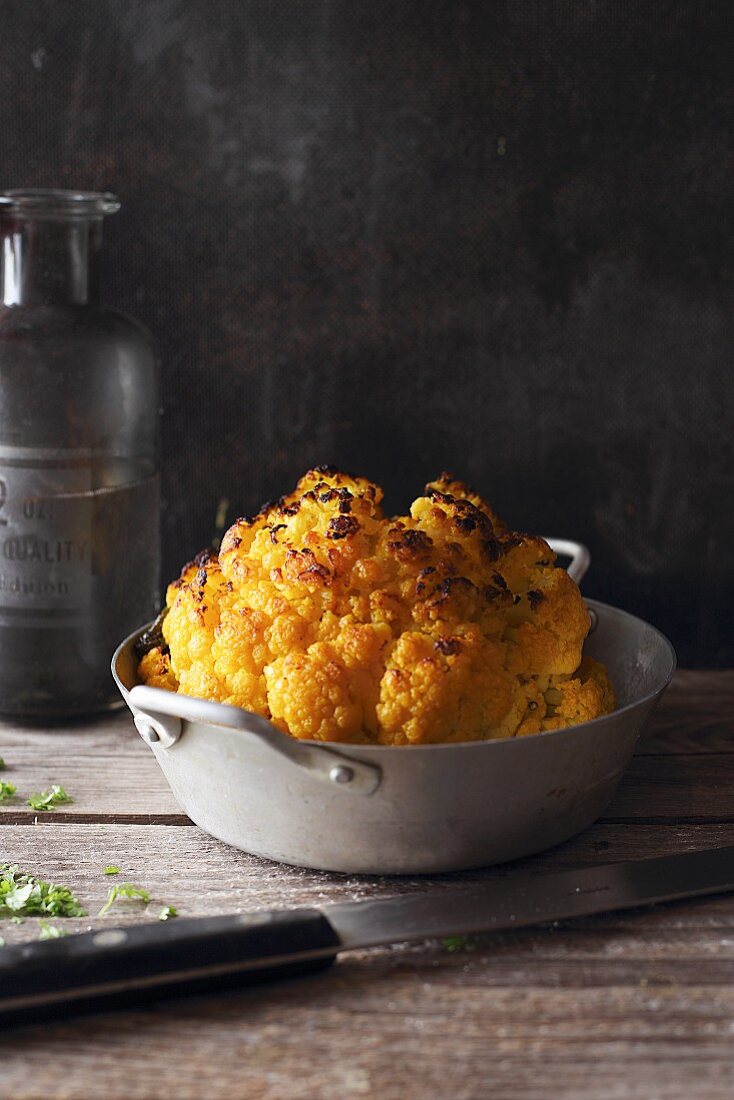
x=402, y=237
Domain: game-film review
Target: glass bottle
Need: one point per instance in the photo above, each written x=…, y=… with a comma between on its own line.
x=79, y=488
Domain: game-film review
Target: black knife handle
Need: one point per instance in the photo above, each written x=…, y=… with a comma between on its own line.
x=116, y=967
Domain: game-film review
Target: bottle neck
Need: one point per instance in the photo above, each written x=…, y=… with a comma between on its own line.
x=49, y=261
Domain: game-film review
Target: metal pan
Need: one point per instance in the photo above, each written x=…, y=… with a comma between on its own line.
x=418, y=809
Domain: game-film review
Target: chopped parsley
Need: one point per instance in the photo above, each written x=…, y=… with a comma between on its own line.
x=168, y=912
x=7, y=790
x=50, y=931
x=49, y=800
x=458, y=943
x=111, y=870
x=124, y=890
x=23, y=895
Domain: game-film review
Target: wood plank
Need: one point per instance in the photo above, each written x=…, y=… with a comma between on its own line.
x=695, y=788
x=680, y=772
x=635, y=1005
x=199, y=875
x=630, y=1005
x=117, y=779
x=397, y=1035
x=102, y=763
x=696, y=715
x=394, y=1034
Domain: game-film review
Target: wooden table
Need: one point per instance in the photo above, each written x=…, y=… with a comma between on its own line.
x=630, y=1005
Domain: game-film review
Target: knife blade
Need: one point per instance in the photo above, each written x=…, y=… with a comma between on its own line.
x=122, y=967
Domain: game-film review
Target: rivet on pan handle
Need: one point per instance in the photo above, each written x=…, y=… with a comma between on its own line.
x=158, y=729
x=159, y=714
x=580, y=557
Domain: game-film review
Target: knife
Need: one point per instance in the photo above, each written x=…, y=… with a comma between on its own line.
x=123, y=967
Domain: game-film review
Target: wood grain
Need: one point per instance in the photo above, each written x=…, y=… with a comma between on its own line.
x=201, y=876
x=695, y=788
x=627, y=1006
x=113, y=776
x=393, y=1029
x=531, y=1014
x=104, y=765
x=696, y=715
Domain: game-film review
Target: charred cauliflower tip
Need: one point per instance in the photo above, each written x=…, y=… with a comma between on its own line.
x=341, y=624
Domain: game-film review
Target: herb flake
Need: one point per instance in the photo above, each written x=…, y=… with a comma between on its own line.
x=50, y=931
x=127, y=891
x=458, y=943
x=7, y=790
x=49, y=800
x=23, y=895
x=111, y=870
x=168, y=912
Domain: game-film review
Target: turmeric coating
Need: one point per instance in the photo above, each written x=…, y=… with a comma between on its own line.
x=340, y=624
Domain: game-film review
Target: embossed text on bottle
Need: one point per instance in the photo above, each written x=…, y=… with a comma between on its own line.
x=45, y=537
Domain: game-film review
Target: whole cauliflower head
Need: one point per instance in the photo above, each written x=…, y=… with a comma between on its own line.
x=340, y=624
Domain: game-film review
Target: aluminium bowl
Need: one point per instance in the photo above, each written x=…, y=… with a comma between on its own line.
x=418, y=809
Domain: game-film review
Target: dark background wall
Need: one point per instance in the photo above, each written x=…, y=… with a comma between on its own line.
x=402, y=235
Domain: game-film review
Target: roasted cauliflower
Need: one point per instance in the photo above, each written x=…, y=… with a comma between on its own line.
x=340, y=624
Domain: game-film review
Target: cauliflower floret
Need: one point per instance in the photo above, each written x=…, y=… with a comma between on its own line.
x=583, y=697
x=446, y=689
x=340, y=624
x=155, y=669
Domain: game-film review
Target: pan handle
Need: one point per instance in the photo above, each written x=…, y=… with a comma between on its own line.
x=159, y=716
x=580, y=557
